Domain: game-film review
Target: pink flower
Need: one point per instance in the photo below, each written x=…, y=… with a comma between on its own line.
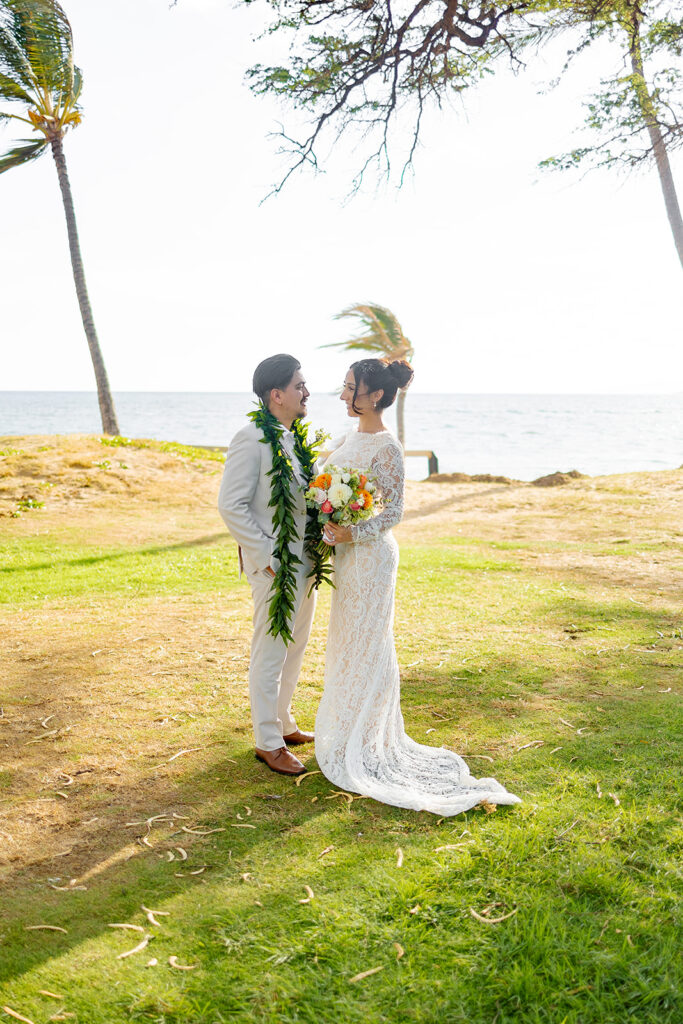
x=327, y=507
x=354, y=505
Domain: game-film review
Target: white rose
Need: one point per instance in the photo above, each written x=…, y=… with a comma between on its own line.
x=339, y=494
x=346, y=477
x=319, y=495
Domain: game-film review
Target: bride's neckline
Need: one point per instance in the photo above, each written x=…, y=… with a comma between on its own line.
x=371, y=433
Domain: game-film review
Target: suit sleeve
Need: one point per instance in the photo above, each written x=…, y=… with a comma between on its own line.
x=240, y=479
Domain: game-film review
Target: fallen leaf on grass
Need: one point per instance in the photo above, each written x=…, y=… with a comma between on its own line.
x=555, y=750
x=310, y=895
x=45, y=927
x=328, y=849
x=46, y=992
x=565, y=722
x=399, y=857
x=173, y=961
x=491, y=920
x=152, y=962
x=189, y=750
x=17, y=1016
x=400, y=951
x=483, y=757
x=135, y=949
x=300, y=779
x=183, y=853
x=130, y=927
x=416, y=909
x=534, y=743
x=68, y=888
x=615, y=798
x=488, y=807
x=598, y=790
x=450, y=846
x=206, y=832
x=150, y=915
x=239, y=825
x=580, y=732
x=365, y=974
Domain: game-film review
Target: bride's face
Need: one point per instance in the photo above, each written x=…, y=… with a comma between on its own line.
x=358, y=395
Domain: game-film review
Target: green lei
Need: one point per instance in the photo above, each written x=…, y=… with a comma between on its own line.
x=281, y=608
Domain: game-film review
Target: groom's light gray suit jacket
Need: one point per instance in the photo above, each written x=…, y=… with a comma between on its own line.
x=245, y=493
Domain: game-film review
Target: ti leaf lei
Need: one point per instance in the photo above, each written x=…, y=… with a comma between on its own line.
x=282, y=603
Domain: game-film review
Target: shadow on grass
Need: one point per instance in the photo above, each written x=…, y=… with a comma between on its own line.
x=622, y=740
x=213, y=538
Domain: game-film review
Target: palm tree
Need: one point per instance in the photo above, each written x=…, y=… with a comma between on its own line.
x=37, y=71
x=383, y=335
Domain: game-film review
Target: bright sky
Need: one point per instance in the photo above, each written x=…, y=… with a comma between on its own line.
x=506, y=280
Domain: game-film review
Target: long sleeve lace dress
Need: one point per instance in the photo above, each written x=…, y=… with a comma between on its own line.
x=360, y=742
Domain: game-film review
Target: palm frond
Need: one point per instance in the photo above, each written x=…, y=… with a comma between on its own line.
x=384, y=333
x=10, y=89
x=42, y=30
x=22, y=154
x=13, y=59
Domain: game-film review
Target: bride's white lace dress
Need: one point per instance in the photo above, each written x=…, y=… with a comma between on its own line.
x=360, y=742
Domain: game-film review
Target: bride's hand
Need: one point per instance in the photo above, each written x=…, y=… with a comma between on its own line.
x=333, y=534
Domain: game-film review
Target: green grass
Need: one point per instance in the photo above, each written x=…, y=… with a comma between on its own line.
x=495, y=655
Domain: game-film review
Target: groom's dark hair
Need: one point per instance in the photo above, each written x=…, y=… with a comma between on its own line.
x=274, y=372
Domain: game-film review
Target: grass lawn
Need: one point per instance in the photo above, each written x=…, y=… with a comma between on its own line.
x=540, y=634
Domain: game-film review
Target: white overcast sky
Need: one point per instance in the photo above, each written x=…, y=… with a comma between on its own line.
x=505, y=279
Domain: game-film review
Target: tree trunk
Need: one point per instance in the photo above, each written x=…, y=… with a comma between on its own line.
x=400, y=417
x=647, y=107
x=107, y=411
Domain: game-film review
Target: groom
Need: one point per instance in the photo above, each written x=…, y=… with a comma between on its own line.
x=243, y=502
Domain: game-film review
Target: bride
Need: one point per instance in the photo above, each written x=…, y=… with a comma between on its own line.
x=360, y=741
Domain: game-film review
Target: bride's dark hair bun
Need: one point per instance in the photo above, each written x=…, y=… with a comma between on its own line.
x=382, y=375
x=401, y=371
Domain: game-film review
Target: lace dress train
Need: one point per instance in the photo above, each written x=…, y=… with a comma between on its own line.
x=360, y=741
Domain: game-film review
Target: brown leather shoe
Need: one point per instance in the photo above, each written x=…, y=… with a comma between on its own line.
x=281, y=761
x=298, y=737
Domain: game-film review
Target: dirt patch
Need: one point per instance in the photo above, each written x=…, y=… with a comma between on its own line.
x=558, y=478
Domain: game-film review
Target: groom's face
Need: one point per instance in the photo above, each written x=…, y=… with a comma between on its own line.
x=289, y=403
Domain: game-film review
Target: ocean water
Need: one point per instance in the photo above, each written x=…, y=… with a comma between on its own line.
x=521, y=436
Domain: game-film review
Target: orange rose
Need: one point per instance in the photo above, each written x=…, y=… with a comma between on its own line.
x=323, y=481
x=367, y=498
x=363, y=480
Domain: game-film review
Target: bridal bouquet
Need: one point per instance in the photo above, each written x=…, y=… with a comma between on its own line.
x=346, y=496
